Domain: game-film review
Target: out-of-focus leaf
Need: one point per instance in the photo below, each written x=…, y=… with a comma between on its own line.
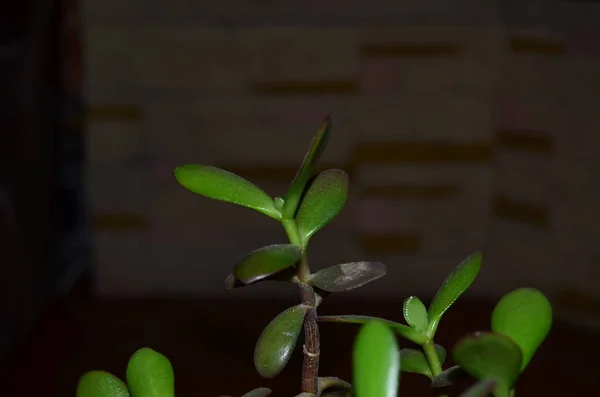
x=260, y=392
x=415, y=313
x=412, y=360
x=323, y=201
x=376, y=362
x=218, y=184
x=453, y=287
x=487, y=355
x=449, y=377
x=266, y=261
x=101, y=384
x=525, y=316
x=277, y=341
x=401, y=329
x=150, y=374
x=482, y=388
x=316, y=149
x=347, y=276
x=326, y=383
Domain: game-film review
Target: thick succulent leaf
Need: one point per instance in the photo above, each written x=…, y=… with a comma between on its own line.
x=266, y=261
x=316, y=149
x=401, y=329
x=322, y=202
x=412, y=360
x=286, y=275
x=347, y=276
x=101, y=384
x=525, y=316
x=150, y=374
x=453, y=287
x=260, y=392
x=415, y=313
x=489, y=355
x=325, y=383
x=483, y=388
x=277, y=341
x=376, y=361
x=449, y=377
x=218, y=184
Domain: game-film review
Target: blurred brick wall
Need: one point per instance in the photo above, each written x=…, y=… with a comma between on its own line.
x=458, y=136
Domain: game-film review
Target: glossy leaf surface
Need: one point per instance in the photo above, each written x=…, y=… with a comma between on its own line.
x=218, y=184
x=286, y=275
x=489, y=355
x=483, y=388
x=150, y=374
x=101, y=384
x=376, y=361
x=323, y=201
x=347, y=276
x=296, y=189
x=525, y=316
x=453, y=287
x=266, y=261
x=401, y=329
x=277, y=341
x=415, y=313
x=449, y=377
x=414, y=361
x=260, y=392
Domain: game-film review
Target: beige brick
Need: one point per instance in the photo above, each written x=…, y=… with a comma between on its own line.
x=524, y=176
x=247, y=131
x=473, y=181
x=109, y=8
x=453, y=118
x=121, y=265
x=531, y=74
x=189, y=58
x=117, y=189
x=112, y=143
x=112, y=66
x=300, y=54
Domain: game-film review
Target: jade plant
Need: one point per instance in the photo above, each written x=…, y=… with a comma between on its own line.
x=490, y=360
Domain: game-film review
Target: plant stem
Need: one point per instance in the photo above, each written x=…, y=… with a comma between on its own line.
x=294, y=236
x=432, y=358
x=311, y=349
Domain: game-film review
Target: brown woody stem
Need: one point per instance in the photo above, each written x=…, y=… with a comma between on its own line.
x=311, y=349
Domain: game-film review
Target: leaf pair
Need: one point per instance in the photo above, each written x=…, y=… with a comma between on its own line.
x=311, y=207
x=149, y=374
x=520, y=322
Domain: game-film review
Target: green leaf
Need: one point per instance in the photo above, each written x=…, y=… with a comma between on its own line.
x=326, y=383
x=266, y=261
x=317, y=147
x=277, y=341
x=150, y=374
x=453, y=287
x=482, y=388
x=347, y=276
x=415, y=313
x=260, y=392
x=322, y=202
x=218, y=184
x=401, y=329
x=414, y=361
x=286, y=275
x=376, y=361
x=449, y=377
x=525, y=316
x=489, y=355
x=101, y=384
